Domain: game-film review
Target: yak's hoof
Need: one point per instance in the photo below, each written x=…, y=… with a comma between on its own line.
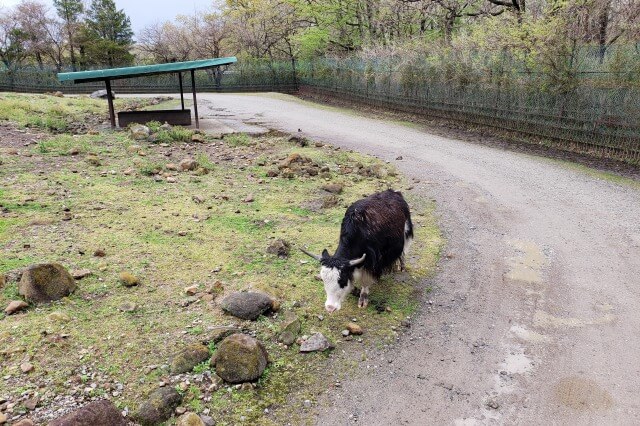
x=363, y=302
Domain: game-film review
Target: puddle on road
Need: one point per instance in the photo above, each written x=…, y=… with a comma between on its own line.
x=582, y=394
x=527, y=335
x=527, y=265
x=545, y=320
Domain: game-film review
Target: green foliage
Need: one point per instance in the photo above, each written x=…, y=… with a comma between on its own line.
x=107, y=35
x=238, y=139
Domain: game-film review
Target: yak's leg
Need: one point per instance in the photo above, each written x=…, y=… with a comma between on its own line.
x=366, y=282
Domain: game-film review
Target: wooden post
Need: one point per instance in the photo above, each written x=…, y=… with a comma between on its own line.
x=181, y=90
x=112, y=113
x=195, y=101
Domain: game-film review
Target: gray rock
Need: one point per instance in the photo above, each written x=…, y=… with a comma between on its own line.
x=158, y=408
x=247, y=305
x=189, y=357
x=290, y=330
x=240, y=358
x=316, y=343
x=139, y=132
x=101, y=412
x=46, y=282
x=208, y=421
x=102, y=94
x=216, y=334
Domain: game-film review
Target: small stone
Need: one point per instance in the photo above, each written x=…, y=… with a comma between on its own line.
x=208, y=421
x=180, y=410
x=188, y=419
x=128, y=280
x=399, y=158
x=290, y=331
x=15, y=306
x=354, y=329
x=99, y=253
x=3, y=418
x=249, y=198
x=334, y=188
x=345, y=333
x=128, y=307
x=316, y=343
x=197, y=199
x=307, y=403
x=196, y=137
x=280, y=248
x=493, y=404
x=58, y=316
x=171, y=167
x=191, y=290
x=79, y=274
x=216, y=334
x=31, y=403
x=93, y=160
x=140, y=132
x=188, y=164
x=171, y=179
x=26, y=367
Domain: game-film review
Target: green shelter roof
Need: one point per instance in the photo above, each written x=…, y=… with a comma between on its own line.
x=129, y=72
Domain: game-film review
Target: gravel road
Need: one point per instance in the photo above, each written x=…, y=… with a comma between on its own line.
x=536, y=310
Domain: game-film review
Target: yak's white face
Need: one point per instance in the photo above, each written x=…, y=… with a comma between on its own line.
x=335, y=294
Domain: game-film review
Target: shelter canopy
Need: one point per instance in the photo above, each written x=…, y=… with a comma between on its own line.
x=182, y=116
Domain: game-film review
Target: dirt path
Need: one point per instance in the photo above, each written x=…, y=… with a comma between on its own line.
x=534, y=318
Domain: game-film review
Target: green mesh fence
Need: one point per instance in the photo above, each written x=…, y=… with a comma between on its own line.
x=598, y=115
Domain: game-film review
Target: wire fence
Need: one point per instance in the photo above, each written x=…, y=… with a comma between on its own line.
x=599, y=114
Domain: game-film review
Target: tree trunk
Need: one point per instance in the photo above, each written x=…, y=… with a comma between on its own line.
x=603, y=24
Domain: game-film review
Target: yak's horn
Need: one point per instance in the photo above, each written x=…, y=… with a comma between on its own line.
x=315, y=256
x=355, y=262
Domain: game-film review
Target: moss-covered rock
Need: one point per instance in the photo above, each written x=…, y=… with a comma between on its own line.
x=101, y=412
x=190, y=419
x=189, y=357
x=290, y=330
x=216, y=334
x=158, y=408
x=240, y=358
x=128, y=280
x=46, y=282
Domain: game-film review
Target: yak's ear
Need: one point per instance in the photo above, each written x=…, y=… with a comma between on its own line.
x=325, y=254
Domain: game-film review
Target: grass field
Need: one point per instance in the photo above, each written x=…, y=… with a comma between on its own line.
x=65, y=195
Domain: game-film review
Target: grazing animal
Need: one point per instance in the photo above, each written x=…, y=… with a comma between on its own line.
x=376, y=233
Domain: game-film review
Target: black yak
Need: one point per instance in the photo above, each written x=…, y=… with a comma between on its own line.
x=376, y=233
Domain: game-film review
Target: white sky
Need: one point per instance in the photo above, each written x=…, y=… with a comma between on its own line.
x=146, y=12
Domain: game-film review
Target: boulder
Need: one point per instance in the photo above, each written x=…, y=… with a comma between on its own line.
x=46, y=282
x=289, y=332
x=139, y=132
x=15, y=306
x=190, y=419
x=316, y=343
x=188, y=358
x=240, y=358
x=247, y=305
x=158, y=408
x=102, y=94
x=100, y=412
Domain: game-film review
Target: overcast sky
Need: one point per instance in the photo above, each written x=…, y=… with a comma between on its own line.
x=145, y=12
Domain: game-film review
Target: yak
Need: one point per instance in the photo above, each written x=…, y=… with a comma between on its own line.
x=375, y=235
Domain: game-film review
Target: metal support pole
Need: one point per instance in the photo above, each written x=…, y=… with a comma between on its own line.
x=112, y=114
x=195, y=101
x=181, y=90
